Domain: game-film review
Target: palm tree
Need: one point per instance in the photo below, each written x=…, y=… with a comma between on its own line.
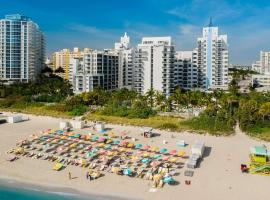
x=150, y=97
x=160, y=100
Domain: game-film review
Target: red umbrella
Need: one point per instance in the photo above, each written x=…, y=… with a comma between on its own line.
x=123, y=133
x=123, y=143
x=146, y=147
x=166, y=158
x=173, y=152
x=154, y=164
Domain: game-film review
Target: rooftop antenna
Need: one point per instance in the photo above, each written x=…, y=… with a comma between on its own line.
x=210, y=22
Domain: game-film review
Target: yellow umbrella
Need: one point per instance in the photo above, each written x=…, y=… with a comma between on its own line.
x=101, y=145
x=173, y=160
x=122, y=150
x=146, y=155
x=181, y=153
x=155, y=149
x=130, y=145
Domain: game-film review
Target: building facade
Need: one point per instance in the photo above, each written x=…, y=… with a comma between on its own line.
x=186, y=70
x=22, y=49
x=263, y=68
x=213, y=59
x=154, y=65
x=126, y=57
x=94, y=69
x=62, y=58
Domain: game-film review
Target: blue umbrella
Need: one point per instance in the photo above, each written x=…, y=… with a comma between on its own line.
x=145, y=160
x=116, y=142
x=138, y=146
x=95, y=138
x=108, y=147
x=127, y=172
x=168, y=180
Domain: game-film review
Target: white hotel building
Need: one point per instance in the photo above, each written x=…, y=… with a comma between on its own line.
x=186, y=70
x=263, y=68
x=126, y=56
x=94, y=69
x=212, y=59
x=22, y=52
x=154, y=65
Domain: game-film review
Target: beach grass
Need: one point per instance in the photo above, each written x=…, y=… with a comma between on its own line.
x=157, y=122
x=41, y=110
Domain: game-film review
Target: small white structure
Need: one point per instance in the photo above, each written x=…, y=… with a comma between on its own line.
x=198, y=148
x=63, y=125
x=15, y=118
x=100, y=127
x=77, y=124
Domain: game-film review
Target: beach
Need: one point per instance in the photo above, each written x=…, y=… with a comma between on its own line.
x=218, y=176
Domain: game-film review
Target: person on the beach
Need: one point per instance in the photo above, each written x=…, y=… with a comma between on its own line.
x=87, y=175
x=69, y=175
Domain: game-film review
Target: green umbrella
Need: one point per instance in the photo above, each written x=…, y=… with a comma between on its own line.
x=163, y=150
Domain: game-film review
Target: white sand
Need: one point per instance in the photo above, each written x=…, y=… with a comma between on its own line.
x=218, y=177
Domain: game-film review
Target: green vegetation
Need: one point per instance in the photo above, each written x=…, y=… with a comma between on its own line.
x=221, y=111
x=158, y=122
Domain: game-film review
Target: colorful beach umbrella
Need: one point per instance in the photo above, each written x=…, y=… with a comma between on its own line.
x=168, y=180
x=146, y=147
x=157, y=156
x=163, y=150
x=138, y=146
x=116, y=142
x=173, y=152
x=166, y=158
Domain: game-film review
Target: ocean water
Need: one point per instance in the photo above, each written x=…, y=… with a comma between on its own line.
x=14, y=191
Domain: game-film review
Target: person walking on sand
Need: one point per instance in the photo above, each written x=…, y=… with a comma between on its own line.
x=69, y=175
x=87, y=175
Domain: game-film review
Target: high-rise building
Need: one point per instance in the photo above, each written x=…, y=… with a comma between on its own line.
x=94, y=69
x=126, y=55
x=213, y=59
x=154, y=65
x=263, y=65
x=61, y=59
x=22, y=49
x=263, y=68
x=185, y=71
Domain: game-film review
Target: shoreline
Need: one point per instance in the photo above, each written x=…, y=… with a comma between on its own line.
x=16, y=183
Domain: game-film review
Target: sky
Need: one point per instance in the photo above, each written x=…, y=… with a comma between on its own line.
x=99, y=24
